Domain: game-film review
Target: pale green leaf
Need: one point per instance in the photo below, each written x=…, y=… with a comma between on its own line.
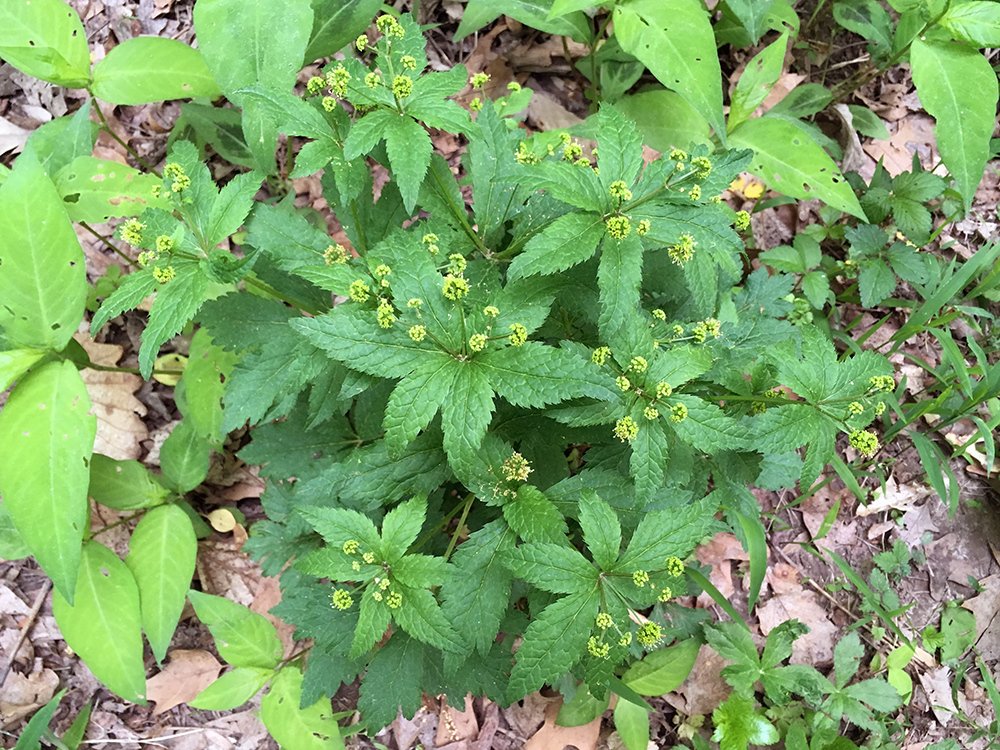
x=663, y=671
x=152, y=69
x=552, y=567
x=95, y=190
x=665, y=120
x=48, y=438
x=976, y=22
x=958, y=88
x=337, y=23
x=45, y=39
x=632, y=724
x=184, y=457
x=760, y=74
x=401, y=526
x=124, y=485
x=14, y=363
x=43, y=281
x=232, y=689
x=161, y=556
x=102, y=625
x=243, y=638
x=176, y=303
x=793, y=164
x=676, y=43
x=309, y=728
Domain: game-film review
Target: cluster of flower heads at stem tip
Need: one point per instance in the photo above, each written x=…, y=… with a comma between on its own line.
x=385, y=314
x=341, y=599
x=131, y=231
x=388, y=26
x=683, y=251
x=882, y=383
x=402, y=86
x=702, y=167
x=640, y=578
x=619, y=227
x=359, y=291
x=516, y=468
x=678, y=413
x=742, y=221
x=518, y=334
x=164, y=274
x=626, y=429
x=176, y=173
x=855, y=408
x=600, y=355
x=477, y=342
x=704, y=329
x=455, y=287
x=335, y=254
x=864, y=442
x=430, y=240
x=619, y=191
x=648, y=634
x=418, y=333
x=337, y=79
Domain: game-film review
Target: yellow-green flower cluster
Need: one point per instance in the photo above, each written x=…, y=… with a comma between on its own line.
x=329, y=103
x=361, y=43
x=640, y=578
x=638, y=364
x=702, y=166
x=525, y=155
x=572, y=152
x=516, y=468
x=663, y=389
x=394, y=600
x=880, y=382
x=879, y=409
x=337, y=79
x=175, y=172
x=479, y=80
x=335, y=254
x=477, y=342
x=604, y=621
x=665, y=594
x=358, y=291
x=402, y=86
x=600, y=355
x=619, y=191
x=864, y=442
x=131, y=231
x=678, y=413
x=696, y=193
x=626, y=429
x=622, y=382
x=674, y=567
x=380, y=273
x=490, y=311
x=597, y=650
x=456, y=264
x=386, y=315
x=643, y=227
x=368, y=557
x=619, y=227
x=683, y=251
x=165, y=274
x=341, y=599
x=430, y=240
x=389, y=26
x=351, y=546
x=855, y=408
x=650, y=412
x=372, y=80
x=164, y=244
x=409, y=62
x=414, y=302
x=658, y=314
x=514, y=87
x=677, y=155
x=742, y=221
x=315, y=85
x=518, y=334
x=648, y=634
x=455, y=287
x=476, y=104
x=417, y=333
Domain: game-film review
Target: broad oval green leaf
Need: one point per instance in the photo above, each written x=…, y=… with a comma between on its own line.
x=310, y=728
x=12, y=546
x=244, y=638
x=45, y=39
x=95, y=190
x=184, y=457
x=760, y=74
x=674, y=39
x=43, y=282
x=152, y=69
x=958, y=88
x=124, y=485
x=632, y=723
x=102, y=625
x=161, y=557
x=48, y=438
x=793, y=164
x=663, y=671
x=665, y=120
x=233, y=689
x=14, y=363
x=337, y=23
x=975, y=22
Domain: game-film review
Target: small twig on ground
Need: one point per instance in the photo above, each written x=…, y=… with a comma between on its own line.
x=25, y=627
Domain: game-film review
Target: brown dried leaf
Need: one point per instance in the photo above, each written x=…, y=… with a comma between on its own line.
x=268, y=595
x=552, y=736
x=816, y=646
x=985, y=608
x=187, y=674
x=719, y=553
x=119, y=413
x=22, y=695
x=704, y=689
x=455, y=725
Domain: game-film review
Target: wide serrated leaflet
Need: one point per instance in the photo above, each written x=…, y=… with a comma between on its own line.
x=620, y=154
x=475, y=598
x=466, y=414
x=570, y=239
x=707, y=427
x=415, y=401
x=619, y=276
x=534, y=517
x=536, y=375
x=601, y=530
x=554, y=642
x=392, y=682
x=552, y=567
x=784, y=428
x=666, y=533
x=420, y=615
x=649, y=456
x=176, y=303
x=409, y=148
x=401, y=526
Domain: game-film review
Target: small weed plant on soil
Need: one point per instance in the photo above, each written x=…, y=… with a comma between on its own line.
x=492, y=438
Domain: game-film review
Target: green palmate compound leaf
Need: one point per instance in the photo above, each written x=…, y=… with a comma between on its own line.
x=663, y=671
x=976, y=22
x=793, y=164
x=124, y=485
x=244, y=638
x=14, y=363
x=554, y=641
x=416, y=400
x=310, y=728
x=95, y=190
x=959, y=88
x=103, y=623
x=152, y=69
x=232, y=689
x=48, y=439
x=755, y=84
x=665, y=533
x=552, y=567
x=176, y=303
x=161, y=556
x=632, y=723
x=337, y=23
x=43, y=281
x=45, y=39
x=675, y=41
x=737, y=724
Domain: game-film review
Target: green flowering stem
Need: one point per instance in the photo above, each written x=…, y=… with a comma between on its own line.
x=467, y=506
x=440, y=525
x=264, y=287
x=107, y=243
x=122, y=143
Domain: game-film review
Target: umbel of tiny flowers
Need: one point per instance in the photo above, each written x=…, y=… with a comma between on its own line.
x=163, y=275
x=855, y=408
x=678, y=413
x=341, y=599
x=742, y=221
x=649, y=634
x=640, y=578
x=619, y=227
x=674, y=567
x=683, y=251
x=619, y=191
x=315, y=85
x=626, y=429
x=175, y=172
x=131, y=231
x=882, y=383
x=519, y=334
x=516, y=468
x=600, y=355
x=622, y=382
x=358, y=291
x=596, y=649
x=477, y=342
x=335, y=254
x=864, y=442
x=402, y=86
x=455, y=287
x=479, y=80
x=417, y=333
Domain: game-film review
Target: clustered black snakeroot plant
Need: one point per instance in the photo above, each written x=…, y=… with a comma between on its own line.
x=514, y=423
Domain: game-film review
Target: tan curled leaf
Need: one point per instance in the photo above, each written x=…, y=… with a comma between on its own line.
x=119, y=413
x=187, y=674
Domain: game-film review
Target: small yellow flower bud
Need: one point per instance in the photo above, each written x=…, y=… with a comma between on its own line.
x=519, y=334
x=678, y=413
x=417, y=333
x=516, y=468
x=342, y=599
x=626, y=429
